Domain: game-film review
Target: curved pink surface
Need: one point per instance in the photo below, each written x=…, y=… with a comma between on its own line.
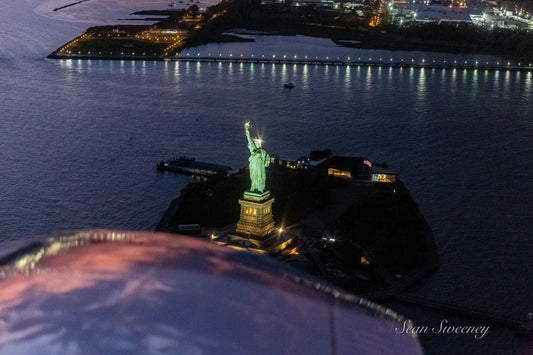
x=105, y=292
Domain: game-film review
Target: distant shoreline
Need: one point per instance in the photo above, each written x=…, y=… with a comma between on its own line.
x=208, y=27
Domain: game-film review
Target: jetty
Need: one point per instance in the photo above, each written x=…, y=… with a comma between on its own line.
x=359, y=62
x=189, y=166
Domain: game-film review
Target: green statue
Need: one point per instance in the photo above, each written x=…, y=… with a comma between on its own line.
x=259, y=160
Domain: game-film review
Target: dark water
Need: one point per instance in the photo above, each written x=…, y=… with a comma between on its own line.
x=80, y=139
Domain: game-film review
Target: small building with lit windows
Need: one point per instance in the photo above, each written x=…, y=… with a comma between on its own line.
x=347, y=167
x=380, y=174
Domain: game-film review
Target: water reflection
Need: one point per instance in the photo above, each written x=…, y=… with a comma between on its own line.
x=506, y=80
x=177, y=69
x=348, y=77
x=305, y=76
x=421, y=90
x=368, y=80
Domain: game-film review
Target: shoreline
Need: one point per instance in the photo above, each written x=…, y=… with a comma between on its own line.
x=192, y=28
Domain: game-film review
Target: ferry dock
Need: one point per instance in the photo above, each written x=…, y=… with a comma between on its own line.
x=189, y=166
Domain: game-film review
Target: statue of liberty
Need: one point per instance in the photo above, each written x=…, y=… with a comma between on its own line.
x=259, y=160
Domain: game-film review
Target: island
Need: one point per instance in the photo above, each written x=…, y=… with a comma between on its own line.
x=370, y=25
x=349, y=221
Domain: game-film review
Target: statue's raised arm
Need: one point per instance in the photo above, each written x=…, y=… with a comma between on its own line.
x=251, y=144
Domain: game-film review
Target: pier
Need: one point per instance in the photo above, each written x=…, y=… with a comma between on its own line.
x=189, y=166
x=459, y=65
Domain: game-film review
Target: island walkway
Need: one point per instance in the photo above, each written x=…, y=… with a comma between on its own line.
x=407, y=63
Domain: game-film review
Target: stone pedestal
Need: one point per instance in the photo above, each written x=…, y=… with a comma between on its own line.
x=256, y=215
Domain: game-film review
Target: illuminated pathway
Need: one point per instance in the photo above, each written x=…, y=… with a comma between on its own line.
x=371, y=62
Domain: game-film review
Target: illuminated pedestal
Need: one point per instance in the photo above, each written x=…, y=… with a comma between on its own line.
x=256, y=230
x=256, y=215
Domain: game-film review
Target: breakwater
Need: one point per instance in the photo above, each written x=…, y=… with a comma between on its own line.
x=406, y=64
x=359, y=62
